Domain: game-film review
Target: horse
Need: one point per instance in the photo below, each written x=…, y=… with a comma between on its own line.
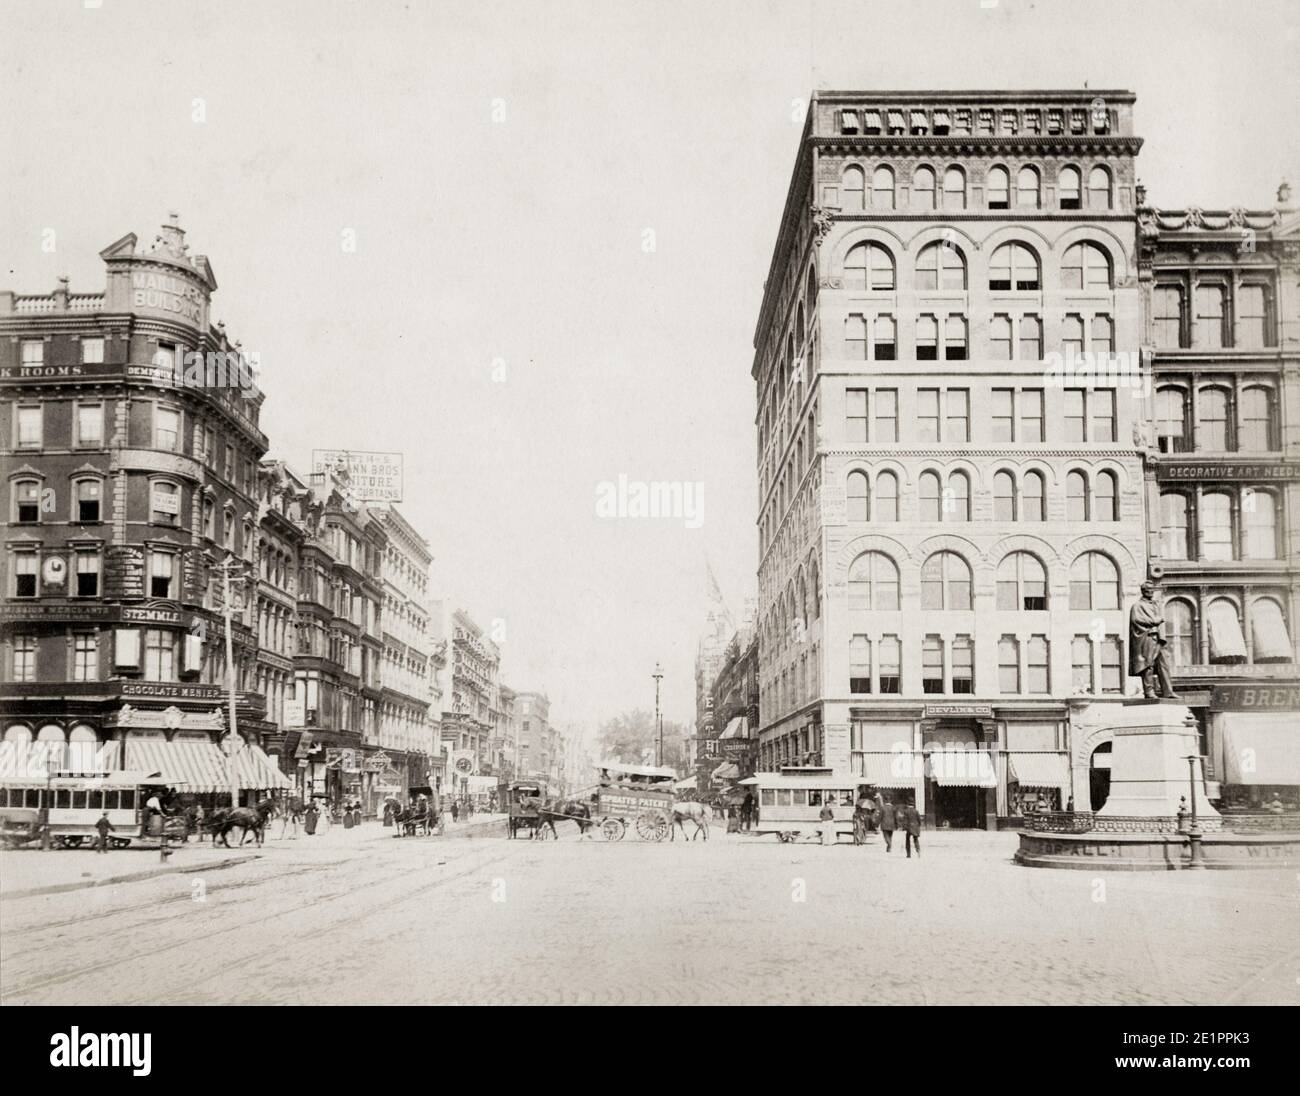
x=695, y=812
x=577, y=812
x=246, y=818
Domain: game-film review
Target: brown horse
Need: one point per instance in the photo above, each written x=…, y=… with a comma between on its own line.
x=247, y=819
x=694, y=812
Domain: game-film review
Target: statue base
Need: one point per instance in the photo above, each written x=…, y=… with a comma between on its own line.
x=1149, y=770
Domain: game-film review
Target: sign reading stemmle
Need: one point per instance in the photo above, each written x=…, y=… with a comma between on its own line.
x=372, y=477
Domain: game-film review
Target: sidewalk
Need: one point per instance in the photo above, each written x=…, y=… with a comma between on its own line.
x=25, y=873
x=337, y=837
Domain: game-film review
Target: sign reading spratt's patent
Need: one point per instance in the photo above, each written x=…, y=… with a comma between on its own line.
x=372, y=477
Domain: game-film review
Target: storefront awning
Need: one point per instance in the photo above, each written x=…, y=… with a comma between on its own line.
x=726, y=771
x=1040, y=770
x=896, y=769
x=201, y=766
x=1268, y=632
x=963, y=769
x=737, y=728
x=686, y=785
x=1260, y=748
x=1226, y=640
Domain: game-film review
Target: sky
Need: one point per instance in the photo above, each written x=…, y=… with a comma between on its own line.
x=524, y=243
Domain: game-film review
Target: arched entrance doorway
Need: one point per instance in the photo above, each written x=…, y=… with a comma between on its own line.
x=1099, y=776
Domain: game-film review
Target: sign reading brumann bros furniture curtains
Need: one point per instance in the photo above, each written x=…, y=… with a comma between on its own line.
x=372, y=477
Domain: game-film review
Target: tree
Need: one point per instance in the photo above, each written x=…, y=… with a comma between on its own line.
x=631, y=737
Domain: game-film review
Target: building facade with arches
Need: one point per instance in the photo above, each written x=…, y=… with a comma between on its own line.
x=950, y=411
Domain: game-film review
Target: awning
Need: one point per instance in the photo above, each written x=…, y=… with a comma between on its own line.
x=918, y=118
x=687, y=785
x=737, y=728
x=1261, y=748
x=1268, y=632
x=1040, y=770
x=201, y=766
x=896, y=119
x=1226, y=640
x=963, y=769
x=726, y=771
x=941, y=118
x=871, y=119
x=895, y=769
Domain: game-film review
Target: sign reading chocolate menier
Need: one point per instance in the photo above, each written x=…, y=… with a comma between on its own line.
x=372, y=477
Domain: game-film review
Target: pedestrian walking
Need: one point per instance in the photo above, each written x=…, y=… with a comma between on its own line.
x=200, y=817
x=455, y=810
x=888, y=824
x=747, y=811
x=827, y=817
x=312, y=817
x=733, y=819
x=912, y=822
x=103, y=825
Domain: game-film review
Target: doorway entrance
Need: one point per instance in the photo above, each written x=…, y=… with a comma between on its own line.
x=958, y=808
x=1099, y=776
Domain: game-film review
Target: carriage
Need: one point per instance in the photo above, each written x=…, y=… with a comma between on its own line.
x=70, y=803
x=790, y=802
x=523, y=801
x=639, y=796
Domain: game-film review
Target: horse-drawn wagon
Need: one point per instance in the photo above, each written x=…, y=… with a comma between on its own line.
x=636, y=796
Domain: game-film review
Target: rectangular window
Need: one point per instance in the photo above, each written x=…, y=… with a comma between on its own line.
x=1039, y=668
x=210, y=447
x=24, y=664
x=27, y=500
x=1072, y=335
x=884, y=346
x=24, y=574
x=92, y=351
x=85, y=658
x=1081, y=661
x=963, y=665
x=164, y=503
x=87, y=572
x=1252, y=318
x=1031, y=339
x=927, y=338
x=886, y=415
x=1076, y=423
x=90, y=424
x=1000, y=338
x=1055, y=121
x=855, y=338
x=30, y=427
x=33, y=351
x=1209, y=316
x=1031, y=414
x=957, y=412
x=927, y=414
x=859, y=665
x=159, y=655
x=161, y=573
x=1003, y=420
x=1008, y=665
x=88, y=495
x=954, y=339
x=166, y=428
x=1101, y=409
x=1103, y=334
x=228, y=467
x=1112, y=665
x=1167, y=309
x=889, y=652
x=932, y=665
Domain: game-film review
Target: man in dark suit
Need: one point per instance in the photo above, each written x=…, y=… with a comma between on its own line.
x=888, y=823
x=912, y=823
x=103, y=826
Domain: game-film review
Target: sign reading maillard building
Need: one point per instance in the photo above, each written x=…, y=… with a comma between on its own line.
x=372, y=477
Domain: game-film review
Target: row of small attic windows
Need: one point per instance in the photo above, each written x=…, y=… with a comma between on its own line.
x=985, y=120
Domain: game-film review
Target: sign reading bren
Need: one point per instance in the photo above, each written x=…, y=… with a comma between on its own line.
x=371, y=477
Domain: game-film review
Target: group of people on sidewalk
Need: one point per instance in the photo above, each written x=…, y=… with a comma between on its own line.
x=877, y=812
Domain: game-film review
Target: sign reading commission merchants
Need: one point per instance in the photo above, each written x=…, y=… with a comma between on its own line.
x=372, y=477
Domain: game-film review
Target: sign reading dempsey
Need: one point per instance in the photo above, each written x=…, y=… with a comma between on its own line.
x=372, y=477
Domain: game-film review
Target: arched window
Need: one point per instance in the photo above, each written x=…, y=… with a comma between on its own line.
x=51, y=746
x=930, y=496
x=1214, y=521
x=1094, y=582
x=1033, y=495
x=27, y=500
x=1212, y=419
x=1270, y=640
x=873, y=583
x=1004, y=496
x=1027, y=188
x=923, y=188
x=816, y=604
x=1174, y=533
x=1085, y=266
x=858, y=497
x=1099, y=188
x=800, y=327
x=1105, y=497
x=1227, y=641
x=954, y=188
x=999, y=188
x=868, y=266
x=810, y=291
x=1171, y=419
x=1022, y=583
x=945, y=582
x=1076, y=496
x=83, y=748
x=1180, y=630
x=853, y=189
x=940, y=266
x=1013, y=266
x=1256, y=434
x=1259, y=517
x=886, y=497
x=1069, y=188
x=956, y=503
x=882, y=188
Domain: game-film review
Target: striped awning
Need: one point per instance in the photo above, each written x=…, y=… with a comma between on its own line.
x=201, y=766
x=1226, y=639
x=737, y=728
x=726, y=771
x=963, y=769
x=1040, y=770
x=895, y=769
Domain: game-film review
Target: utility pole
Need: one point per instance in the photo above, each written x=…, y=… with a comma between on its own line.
x=230, y=682
x=659, y=723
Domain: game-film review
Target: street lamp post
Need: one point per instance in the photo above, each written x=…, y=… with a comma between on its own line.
x=230, y=682
x=1194, y=829
x=659, y=726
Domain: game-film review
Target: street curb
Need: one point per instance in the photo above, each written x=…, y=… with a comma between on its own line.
x=131, y=877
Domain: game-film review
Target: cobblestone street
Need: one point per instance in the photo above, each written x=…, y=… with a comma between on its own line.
x=736, y=920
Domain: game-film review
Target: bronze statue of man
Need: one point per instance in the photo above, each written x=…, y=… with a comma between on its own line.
x=1148, y=656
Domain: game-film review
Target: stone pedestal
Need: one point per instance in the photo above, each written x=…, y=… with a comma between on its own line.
x=1149, y=771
